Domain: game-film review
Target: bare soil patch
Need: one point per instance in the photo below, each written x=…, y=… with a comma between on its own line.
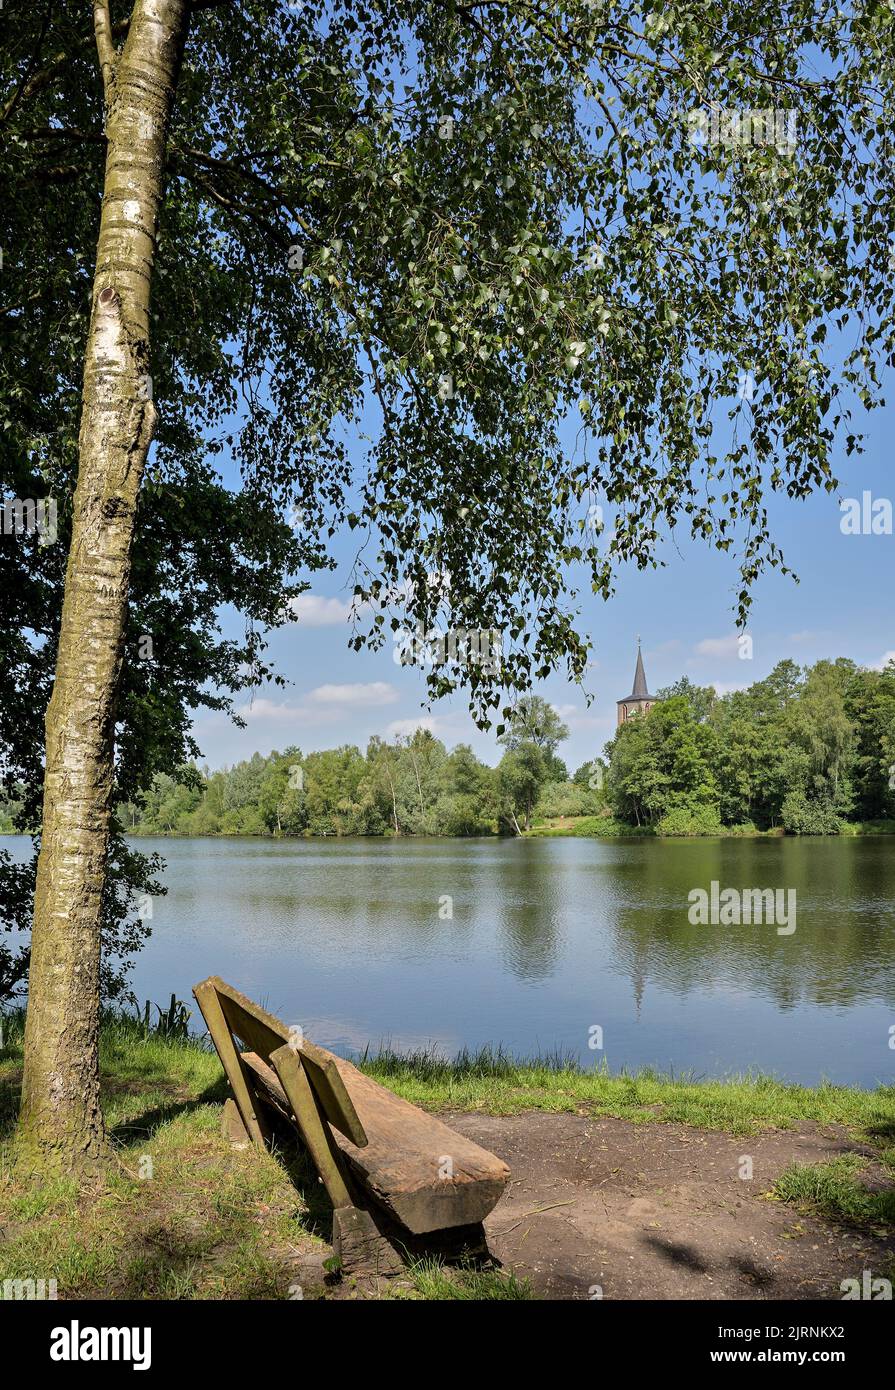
x=660, y=1211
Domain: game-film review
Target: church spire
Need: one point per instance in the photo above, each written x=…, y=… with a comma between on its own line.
x=640, y=701
x=641, y=689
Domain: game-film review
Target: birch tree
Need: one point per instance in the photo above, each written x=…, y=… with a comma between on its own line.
x=482, y=281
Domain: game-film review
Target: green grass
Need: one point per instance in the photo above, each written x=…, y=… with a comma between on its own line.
x=868, y=827
x=431, y=1280
x=603, y=827
x=180, y=1214
x=835, y=1189
x=492, y=1081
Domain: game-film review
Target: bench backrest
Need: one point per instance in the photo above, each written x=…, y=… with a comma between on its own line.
x=264, y=1034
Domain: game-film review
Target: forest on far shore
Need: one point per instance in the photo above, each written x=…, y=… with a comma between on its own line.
x=806, y=751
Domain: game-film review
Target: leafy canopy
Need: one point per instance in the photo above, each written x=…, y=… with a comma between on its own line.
x=452, y=229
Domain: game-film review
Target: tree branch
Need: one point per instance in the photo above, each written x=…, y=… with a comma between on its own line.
x=23, y=85
x=56, y=65
x=61, y=133
x=102, y=27
x=241, y=212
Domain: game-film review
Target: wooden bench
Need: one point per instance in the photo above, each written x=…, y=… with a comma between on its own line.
x=365, y=1142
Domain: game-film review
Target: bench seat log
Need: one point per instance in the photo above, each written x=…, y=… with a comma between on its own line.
x=424, y=1174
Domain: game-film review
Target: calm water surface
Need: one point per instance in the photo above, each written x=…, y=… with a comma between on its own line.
x=548, y=938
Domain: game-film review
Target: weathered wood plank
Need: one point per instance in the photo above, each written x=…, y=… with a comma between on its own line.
x=424, y=1174
x=208, y=999
x=263, y=1033
x=361, y=1246
x=288, y=1093
x=312, y=1122
x=273, y=1093
x=232, y=1127
x=324, y=1075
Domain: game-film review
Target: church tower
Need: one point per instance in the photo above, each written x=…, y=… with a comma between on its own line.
x=640, y=700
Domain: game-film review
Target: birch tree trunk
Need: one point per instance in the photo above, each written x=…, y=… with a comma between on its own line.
x=61, y=1120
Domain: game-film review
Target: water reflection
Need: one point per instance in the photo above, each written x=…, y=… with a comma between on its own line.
x=843, y=948
x=543, y=939
x=529, y=919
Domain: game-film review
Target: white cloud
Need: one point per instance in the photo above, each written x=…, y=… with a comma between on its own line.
x=718, y=646
x=270, y=709
x=883, y=661
x=313, y=610
x=320, y=706
x=399, y=728
x=359, y=695
x=727, y=687
x=260, y=712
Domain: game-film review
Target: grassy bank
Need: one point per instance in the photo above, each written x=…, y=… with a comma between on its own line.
x=608, y=828
x=180, y=1214
x=601, y=827
x=837, y=1189
x=494, y=1082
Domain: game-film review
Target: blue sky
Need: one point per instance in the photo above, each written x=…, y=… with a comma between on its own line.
x=684, y=614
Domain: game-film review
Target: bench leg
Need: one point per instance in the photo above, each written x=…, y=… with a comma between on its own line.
x=361, y=1246
x=286, y=1062
x=232, y=1127
x=219, y=1029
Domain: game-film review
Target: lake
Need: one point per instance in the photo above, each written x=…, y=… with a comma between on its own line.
x=549, y=941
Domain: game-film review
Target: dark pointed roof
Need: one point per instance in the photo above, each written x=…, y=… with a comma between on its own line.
x=640, y=691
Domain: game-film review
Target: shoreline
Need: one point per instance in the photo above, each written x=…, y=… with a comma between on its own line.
x=569, y=828
x=569, y=831
x=498, y=1082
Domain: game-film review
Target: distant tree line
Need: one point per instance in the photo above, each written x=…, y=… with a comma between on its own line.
x=808, y=750
x=410, y=786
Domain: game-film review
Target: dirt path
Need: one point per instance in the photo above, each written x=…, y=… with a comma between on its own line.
x=659, y=1211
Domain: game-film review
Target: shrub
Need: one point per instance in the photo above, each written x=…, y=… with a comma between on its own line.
x=460, y=815
x=691, y=820
x=568, y=799
x=803, y=817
